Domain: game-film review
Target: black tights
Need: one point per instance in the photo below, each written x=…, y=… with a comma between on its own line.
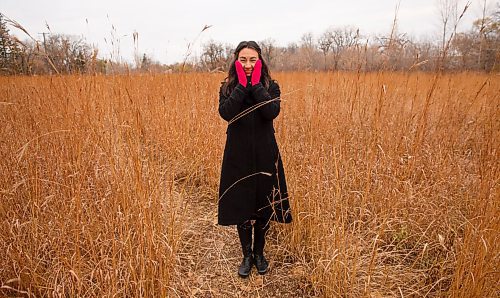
x=260, y=228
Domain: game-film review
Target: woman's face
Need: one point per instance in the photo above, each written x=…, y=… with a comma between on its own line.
x=248, y=57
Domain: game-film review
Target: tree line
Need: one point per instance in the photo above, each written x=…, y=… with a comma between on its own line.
x=347, y=49
x=336, y=49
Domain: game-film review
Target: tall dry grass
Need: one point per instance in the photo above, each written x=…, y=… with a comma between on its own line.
x=393, y=178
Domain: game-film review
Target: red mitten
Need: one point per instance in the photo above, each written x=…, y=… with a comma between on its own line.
x=257, y=69
x=242, y=77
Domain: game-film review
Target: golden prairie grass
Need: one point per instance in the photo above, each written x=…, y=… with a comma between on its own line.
x=393, y=179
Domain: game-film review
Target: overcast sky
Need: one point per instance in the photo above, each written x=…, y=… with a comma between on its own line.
x=166, y=27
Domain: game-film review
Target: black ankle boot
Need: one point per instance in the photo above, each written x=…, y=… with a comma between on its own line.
x=246, y=266
x=245, y=234
x=260, y=263
x=260, y=229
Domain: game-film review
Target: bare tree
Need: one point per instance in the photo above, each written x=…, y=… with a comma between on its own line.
x=214, y=55
x=68, y=53
x=307, y=40
x=393, y=50
x=487, y=30
x=287, y=58
x=292, y=48
x=450, y=17
x=487, y=27
x=268, y=47
x=343, y=38
x=307, y=47
x=465, y=45
x=446, y=9
x=325, y=42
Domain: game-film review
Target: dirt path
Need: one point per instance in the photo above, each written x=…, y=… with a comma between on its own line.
x=210, y=254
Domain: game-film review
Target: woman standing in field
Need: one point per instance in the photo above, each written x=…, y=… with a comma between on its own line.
x=252, y=189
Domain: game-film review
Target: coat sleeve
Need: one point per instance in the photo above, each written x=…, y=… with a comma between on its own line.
x=270, y=110
x=231, y=106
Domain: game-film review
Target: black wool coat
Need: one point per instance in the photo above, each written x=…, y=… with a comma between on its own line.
x=252, y=182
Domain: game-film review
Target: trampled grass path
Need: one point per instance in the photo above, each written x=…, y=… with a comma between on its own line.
x=209, y=256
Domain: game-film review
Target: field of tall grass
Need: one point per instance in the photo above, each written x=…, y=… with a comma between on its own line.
x=393, y=180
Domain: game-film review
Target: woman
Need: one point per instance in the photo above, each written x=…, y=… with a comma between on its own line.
x=252, y=186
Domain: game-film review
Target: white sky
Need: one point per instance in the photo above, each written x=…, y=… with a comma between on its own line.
x=166, y=27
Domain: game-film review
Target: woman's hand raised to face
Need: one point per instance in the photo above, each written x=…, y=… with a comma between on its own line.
x=257, y=70
x=242, y=77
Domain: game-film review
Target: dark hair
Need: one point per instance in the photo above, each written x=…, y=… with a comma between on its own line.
x=232, y=79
